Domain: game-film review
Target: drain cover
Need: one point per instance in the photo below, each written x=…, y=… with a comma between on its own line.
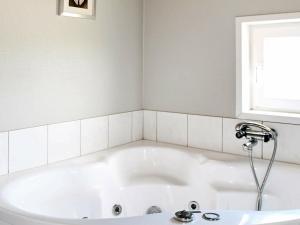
x=184, y=216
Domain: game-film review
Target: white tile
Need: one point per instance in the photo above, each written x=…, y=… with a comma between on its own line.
x=205, y=132
x=94, y=134
x=63, y=141
x=288, y=141
x=27, y=148
x=150, y=125
x=137, y=125
x=233, y=145
x=172, y=128
x=3, y=153
x=120, y=129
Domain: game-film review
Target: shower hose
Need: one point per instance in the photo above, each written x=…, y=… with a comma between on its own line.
x=260, y=187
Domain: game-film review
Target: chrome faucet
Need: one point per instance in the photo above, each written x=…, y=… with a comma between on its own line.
x=263, y=132
x=248, y=146
x=254, y=132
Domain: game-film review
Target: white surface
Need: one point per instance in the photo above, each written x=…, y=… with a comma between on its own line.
x=150, y=125
x=63, y=141
x=94, y=134
x=143, y=174
x=288, y=141
x=137, y=125
x=233, y=145
x=172, y=128
x=205, y=132
x=120, y=129
x=55, y=69
x=27, y=148
x=3, y=153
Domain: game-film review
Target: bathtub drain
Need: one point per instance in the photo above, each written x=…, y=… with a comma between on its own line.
x=117, y=210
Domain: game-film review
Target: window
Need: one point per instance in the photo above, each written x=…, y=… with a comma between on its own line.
x=268, y=67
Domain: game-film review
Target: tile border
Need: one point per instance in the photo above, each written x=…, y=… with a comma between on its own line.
x=132, y=123
x=261, y=155
x=143, y=125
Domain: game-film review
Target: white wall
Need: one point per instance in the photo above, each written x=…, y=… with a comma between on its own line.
x=189, y=52
x=55, y=69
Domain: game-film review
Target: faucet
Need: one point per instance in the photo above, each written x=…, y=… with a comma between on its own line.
x=248, y=146
x=265, y=134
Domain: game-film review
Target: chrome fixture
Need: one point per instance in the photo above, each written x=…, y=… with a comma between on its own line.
x=185, y=216
x=263, y=133
x=254, y=132
x=248, y=146
x=154, y=210
x=193, y=205
x=117, y=210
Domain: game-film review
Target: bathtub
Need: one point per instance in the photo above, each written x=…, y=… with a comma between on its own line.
x=144, y=174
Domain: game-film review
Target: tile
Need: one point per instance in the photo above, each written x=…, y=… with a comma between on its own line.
x=172, y=128
x=233, y=145
x=288, y=137
x=150, y=125
x=120, y=129
x=205, y=132
x=27, y=148
x=94, y=134
x=137, y=125
x=63, y=141
x=3, y=153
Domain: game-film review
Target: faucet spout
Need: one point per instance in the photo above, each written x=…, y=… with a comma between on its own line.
x=248, y=146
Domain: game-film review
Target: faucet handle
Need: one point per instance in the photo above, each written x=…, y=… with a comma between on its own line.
x=240, y=134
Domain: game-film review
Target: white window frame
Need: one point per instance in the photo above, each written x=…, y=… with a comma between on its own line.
x=243, y=103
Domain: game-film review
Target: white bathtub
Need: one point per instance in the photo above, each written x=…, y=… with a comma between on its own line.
x=144, y=174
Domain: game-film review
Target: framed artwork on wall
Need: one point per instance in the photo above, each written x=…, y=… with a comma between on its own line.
x=77, y=8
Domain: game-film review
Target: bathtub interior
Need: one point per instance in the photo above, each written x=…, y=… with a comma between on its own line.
x=141, y=176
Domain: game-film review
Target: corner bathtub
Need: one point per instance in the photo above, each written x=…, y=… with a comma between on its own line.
x=144, y=174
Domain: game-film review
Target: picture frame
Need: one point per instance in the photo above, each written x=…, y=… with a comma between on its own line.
x=77, y=8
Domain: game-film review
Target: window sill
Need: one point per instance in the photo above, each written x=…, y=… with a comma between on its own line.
x=279, y=117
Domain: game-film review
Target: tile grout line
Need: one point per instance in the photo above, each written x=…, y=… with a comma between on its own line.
x=143, y=138
x=47, y=145
x=131, y=126
x=8, y=152
x=156, y=126
x=80, y=136
x=222, y=141
x=108, y=128
x=187, y=130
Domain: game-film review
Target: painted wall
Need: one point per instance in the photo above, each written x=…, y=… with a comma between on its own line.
x=189, y=52
x=55, y=69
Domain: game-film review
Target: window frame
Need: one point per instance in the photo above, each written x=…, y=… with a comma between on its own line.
x=243, y=77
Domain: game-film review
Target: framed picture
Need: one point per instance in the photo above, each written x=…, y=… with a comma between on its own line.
x=78, y=8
